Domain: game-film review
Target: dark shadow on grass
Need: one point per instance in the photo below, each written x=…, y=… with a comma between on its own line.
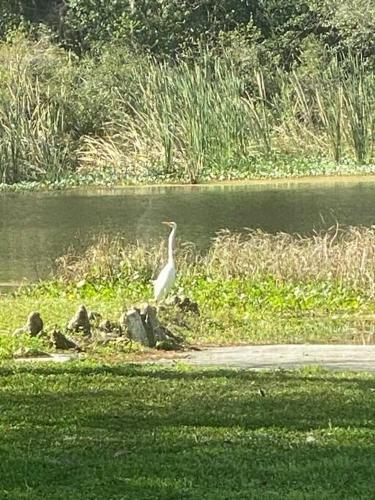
x=160, y=372
x=207, y=397
x=140, y=432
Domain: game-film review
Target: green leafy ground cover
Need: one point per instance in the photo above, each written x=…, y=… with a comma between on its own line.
x=265, y=312
x=90, y=431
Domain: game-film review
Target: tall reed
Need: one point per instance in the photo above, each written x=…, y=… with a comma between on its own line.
x=359, y=99
x=183, y=121
x=31, y=133
x=191, y=115
x=189, y=118
x=331, y=114
x=259, y=116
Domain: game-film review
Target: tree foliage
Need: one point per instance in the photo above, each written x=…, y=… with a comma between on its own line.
x=167, y=28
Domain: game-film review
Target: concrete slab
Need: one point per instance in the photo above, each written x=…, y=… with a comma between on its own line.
x=287, y=356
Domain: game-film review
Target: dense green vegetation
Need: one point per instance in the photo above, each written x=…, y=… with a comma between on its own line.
x=258, y=288
x=87, y=431
x=122, y=91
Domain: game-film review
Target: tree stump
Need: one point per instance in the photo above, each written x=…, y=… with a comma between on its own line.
x=135, y=327
x=34, y=324
x=80, y=322
x=59, y=341
x=142, y=325
x=33, y=327
x=152, y=325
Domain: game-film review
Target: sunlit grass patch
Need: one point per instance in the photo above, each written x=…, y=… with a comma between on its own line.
x=105, y=431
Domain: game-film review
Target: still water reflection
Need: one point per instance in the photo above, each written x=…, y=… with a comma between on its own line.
x=35, y=228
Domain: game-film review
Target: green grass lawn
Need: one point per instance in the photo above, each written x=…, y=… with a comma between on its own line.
x=90, y=431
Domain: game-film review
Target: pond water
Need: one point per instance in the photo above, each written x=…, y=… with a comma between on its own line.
x=36, y=228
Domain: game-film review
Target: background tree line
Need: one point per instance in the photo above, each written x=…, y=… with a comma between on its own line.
x=166, y=27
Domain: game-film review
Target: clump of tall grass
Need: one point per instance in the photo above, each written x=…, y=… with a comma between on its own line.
x=359, y=99
x=112, y=258
x=194, y=120
x=186, y=119
x=343, y=256
x=32, y=140
x=332, y=114
x=49, y=100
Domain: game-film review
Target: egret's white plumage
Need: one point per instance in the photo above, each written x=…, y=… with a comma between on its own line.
x=167, y=276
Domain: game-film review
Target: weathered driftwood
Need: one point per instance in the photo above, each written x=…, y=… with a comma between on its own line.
x=80, y=322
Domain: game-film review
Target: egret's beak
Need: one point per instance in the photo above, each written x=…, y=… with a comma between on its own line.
x=167, y=223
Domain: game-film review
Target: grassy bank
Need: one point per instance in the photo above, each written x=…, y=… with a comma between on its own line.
x=297, y=171
x=256, y=288
x=121, y=117
x=95, y=431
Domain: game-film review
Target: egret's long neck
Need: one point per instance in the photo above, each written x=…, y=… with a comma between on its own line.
x=171, y=245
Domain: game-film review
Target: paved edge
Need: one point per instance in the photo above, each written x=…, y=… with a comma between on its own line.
x=287, y=356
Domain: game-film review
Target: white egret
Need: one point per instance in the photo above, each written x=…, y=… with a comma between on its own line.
x=167, y=276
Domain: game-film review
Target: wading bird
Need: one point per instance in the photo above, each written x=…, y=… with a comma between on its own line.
x=167, y=276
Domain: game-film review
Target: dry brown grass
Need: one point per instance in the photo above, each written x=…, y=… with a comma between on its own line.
x=107, y=258
x=344, y=255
